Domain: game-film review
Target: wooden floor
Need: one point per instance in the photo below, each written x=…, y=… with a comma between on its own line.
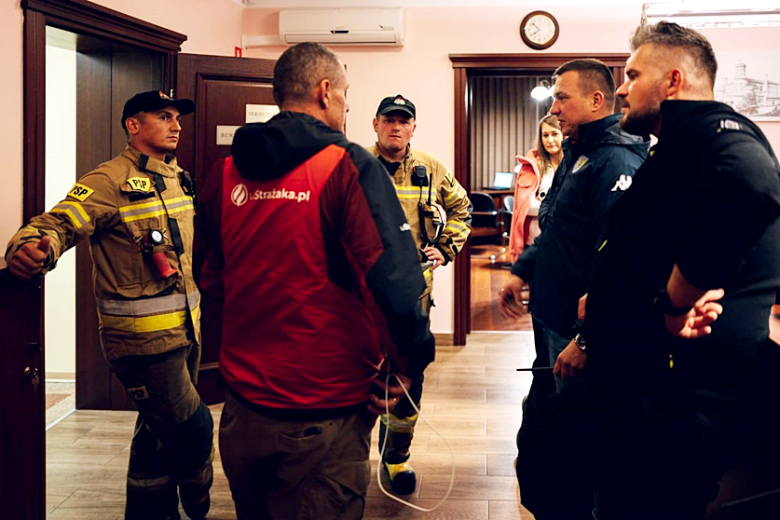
x=488, y=276
x=472, y=396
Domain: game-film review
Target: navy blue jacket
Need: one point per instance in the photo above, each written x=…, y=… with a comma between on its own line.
x=595, y=171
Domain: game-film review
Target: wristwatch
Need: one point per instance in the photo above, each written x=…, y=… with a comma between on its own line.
x=579, y=340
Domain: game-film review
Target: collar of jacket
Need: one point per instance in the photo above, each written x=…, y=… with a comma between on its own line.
x=591, y=133
x=408, y=157
x=166, y=169
x=603, y=132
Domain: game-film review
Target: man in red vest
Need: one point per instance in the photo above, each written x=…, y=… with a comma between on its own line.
x=321, y=281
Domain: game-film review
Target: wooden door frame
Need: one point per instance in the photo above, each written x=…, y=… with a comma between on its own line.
x=83, y=17
x=466, y=66
x=87, y=18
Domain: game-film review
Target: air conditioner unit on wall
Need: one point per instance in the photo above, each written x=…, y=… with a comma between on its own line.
x=343, y=26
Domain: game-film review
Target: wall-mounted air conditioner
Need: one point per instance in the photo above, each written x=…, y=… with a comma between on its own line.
x=343, y=26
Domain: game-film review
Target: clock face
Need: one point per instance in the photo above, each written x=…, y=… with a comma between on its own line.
x=539, y=30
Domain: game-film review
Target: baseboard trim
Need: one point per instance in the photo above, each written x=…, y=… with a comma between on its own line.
x=444, y=339
x=61, y=376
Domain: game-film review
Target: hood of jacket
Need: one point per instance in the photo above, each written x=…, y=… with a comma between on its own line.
x=269, y=150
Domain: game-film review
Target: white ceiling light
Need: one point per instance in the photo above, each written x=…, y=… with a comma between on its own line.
x=541, y=91
x=713, y=14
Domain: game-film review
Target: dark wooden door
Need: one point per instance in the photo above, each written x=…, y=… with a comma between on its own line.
x=22, y=453
x=108, y=74
x=221, y=89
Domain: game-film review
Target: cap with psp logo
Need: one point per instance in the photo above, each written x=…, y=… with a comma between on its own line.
x=396, y=104
x=155, y=100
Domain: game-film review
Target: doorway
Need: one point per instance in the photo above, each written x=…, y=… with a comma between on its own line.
x=87, y=80
x=466, y=67
x=502, y=125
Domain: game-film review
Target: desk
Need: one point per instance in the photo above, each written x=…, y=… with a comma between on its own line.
x=498, y=196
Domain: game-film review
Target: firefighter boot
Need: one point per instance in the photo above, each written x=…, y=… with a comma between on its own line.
x=399, y=433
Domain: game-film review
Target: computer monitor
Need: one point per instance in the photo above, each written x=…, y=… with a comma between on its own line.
x=503, y=181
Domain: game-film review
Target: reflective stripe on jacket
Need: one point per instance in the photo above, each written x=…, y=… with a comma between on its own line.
x=445, y=191
x=116, y=206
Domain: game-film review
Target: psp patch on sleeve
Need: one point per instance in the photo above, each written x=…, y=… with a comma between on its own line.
x=80, y=192
x=449, y=178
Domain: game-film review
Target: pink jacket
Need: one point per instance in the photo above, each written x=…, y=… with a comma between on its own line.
x=525, y=188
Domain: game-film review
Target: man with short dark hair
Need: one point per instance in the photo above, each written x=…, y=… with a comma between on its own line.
x=599, y=161
x=321, y=286
x=137, y=211
x=439, y=213
x=701, y=219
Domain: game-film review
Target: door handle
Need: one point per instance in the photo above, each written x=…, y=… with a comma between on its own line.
x=33, y=374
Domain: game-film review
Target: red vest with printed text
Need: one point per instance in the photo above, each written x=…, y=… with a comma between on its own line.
x=291, y=337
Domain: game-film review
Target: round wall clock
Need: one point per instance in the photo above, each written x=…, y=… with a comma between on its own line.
x=539, y=30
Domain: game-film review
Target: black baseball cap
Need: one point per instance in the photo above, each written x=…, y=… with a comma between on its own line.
x=396, y=104
x=155, y=100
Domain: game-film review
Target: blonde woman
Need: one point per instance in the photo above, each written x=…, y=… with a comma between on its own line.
x=535, y=174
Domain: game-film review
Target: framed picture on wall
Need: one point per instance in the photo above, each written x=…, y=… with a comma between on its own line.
x=750, y=83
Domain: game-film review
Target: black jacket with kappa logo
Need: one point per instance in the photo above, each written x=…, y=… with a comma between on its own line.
x=596, y=170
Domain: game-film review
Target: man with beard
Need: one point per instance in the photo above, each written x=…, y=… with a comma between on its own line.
x=699, y=225
x=599, y=161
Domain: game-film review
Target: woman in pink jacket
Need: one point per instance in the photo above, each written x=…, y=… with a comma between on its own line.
x=535, y=174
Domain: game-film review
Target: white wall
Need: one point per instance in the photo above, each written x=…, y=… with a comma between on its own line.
x=11, y=131
x=422, y=70
x=60, y=294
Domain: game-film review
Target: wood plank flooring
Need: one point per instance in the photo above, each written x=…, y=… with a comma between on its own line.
x=487, y=278
x=472, y=396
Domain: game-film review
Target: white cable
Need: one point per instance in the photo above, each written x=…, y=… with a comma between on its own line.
x=384, y=445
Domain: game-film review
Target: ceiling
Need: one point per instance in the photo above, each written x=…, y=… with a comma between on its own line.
x=434, y=3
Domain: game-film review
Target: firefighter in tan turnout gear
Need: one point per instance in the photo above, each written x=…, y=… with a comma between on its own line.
x=137, y=210
x=438, y=211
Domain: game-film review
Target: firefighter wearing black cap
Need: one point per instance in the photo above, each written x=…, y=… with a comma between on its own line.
x=439, y=212
x=137, y=210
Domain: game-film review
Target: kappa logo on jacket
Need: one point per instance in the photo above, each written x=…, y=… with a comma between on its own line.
x=623, y=183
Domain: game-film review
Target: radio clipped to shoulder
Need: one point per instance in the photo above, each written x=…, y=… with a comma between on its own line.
x=420, y=177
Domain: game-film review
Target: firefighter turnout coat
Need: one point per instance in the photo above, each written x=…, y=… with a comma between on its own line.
x=444, y=191
x=118, y=206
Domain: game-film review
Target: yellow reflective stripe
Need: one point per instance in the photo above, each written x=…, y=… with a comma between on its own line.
x=457, y=225
x=460, y=232
x=401, y=188
x=144, y=306
x=141, y=216
x=144, y=205
x=72, y=216
x=146, y=324
x=181, y=208
x=79, y=208
x=452, y=197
